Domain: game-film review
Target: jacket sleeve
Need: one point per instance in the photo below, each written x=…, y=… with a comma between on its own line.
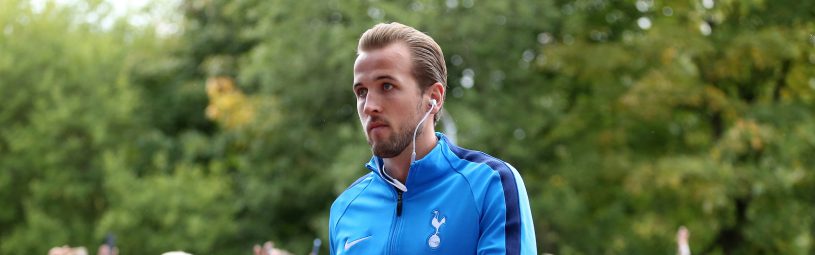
x=338, y=208
x=331, y=241
x=506, y=224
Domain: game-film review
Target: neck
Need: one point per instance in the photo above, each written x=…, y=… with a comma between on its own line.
x=399, y=166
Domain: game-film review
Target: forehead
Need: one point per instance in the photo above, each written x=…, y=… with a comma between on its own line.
x=393, y=60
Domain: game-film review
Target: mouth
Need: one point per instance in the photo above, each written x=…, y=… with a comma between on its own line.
x=373, y=126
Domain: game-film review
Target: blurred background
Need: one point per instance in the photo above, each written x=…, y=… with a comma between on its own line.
x=211, y=125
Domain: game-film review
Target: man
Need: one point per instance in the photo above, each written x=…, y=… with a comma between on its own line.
x=424, y=195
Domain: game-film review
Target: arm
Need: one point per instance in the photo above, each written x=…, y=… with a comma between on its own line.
x=331, y=248
x=506, y=222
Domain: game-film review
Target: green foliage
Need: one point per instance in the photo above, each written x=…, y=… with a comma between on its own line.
x=64, y=102
x=627, y=119
x=73, y=92
x=701, y=114
x=189, y=210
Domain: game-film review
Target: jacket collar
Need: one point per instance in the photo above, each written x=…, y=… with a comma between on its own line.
x=423, y=172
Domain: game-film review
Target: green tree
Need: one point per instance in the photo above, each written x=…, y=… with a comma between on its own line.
x=66, y=97
x=683, y=113
x=81, y=151
x=627, y=119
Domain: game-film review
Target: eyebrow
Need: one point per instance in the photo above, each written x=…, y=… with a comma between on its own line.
x=381, y=77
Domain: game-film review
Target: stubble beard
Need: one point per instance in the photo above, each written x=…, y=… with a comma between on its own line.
x=396, y=143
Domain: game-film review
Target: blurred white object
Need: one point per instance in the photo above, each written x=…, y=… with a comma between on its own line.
x=448, y=125
x=315, y=246
x=66, y=250
x=269, y=249
x=175, y=253
x=682, y=241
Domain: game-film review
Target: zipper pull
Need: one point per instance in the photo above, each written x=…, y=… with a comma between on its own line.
x=398, y=203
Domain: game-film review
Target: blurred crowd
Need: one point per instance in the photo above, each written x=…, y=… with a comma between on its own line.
x=267, y=248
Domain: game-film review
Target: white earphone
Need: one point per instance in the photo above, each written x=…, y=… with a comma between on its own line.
x=415, y=131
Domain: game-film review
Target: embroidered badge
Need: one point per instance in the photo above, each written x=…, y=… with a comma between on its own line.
x=434, y=241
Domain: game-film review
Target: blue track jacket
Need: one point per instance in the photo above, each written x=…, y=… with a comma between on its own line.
x=455, y=201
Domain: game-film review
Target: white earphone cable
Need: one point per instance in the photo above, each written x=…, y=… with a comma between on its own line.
x=416, y=131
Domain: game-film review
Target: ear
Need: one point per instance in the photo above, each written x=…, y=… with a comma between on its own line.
x=436, y=92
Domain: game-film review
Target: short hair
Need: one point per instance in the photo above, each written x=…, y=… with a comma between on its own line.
x=426, y=55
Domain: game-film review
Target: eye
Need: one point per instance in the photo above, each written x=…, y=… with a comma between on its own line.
x=361, y=92
x=387, y=86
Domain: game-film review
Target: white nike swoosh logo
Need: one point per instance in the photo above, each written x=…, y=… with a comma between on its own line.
x=352, y=243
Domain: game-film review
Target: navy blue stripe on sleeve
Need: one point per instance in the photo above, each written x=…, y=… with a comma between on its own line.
x=513, y=218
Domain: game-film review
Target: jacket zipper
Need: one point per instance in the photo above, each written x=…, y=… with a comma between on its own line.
x=398, y=203
x=397, y=224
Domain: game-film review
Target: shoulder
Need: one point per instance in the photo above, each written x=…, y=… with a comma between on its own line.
x=350, y=193
x=341, y=204
x=477, y=164
x=501, y=195
x=362, y=180
x=486, y=174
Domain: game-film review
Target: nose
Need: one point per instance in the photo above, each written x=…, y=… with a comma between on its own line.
x=371, y=104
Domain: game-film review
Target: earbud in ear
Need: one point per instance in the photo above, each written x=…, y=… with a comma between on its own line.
x=433, y=102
